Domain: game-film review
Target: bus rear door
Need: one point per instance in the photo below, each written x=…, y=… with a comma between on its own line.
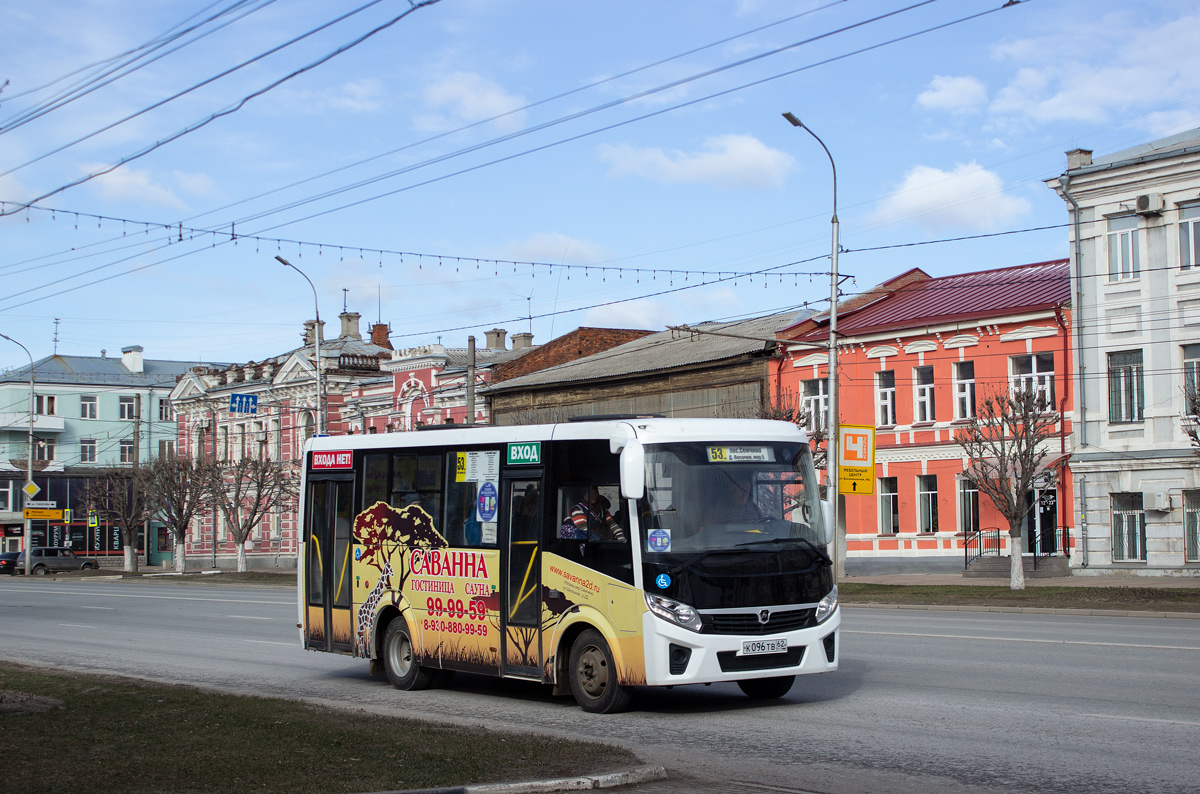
x=328, y=519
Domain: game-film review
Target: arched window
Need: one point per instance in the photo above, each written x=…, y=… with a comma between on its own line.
x=307, y=425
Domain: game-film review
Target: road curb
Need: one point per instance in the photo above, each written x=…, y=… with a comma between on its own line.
x=1111, y=613
x=639, y=774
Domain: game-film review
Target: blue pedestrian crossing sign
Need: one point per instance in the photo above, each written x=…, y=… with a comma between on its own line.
x=243, y=403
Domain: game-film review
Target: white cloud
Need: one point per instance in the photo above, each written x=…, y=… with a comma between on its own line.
x=130, y=184
x=1099, y=69
x=465, y=97
x=969, y=198
x=357, y=96
x=955, y=94
x=727, y=161
x=12, y=190
x=556, y=247
x=201, y=185
x=651, y=315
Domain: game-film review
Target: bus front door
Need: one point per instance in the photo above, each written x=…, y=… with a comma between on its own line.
x=521, y=608
x=327, y=565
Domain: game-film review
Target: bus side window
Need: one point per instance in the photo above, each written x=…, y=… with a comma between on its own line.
x=462, y=524
x=589, y=532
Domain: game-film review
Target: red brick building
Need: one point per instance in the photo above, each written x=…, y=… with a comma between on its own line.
x=916, y=357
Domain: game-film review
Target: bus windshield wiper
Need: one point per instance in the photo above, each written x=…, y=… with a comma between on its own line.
x=819, y=551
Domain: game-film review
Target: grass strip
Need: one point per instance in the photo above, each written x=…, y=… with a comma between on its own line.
x=1150, y=599
x=118, y=735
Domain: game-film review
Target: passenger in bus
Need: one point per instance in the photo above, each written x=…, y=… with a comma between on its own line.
x=732, y=504
x=590, y=520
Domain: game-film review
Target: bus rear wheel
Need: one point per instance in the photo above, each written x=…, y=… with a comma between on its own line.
x=767, y=688
x=594, y=675
x=399, y=659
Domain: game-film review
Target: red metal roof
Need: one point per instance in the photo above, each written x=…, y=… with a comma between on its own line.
x=982, y=295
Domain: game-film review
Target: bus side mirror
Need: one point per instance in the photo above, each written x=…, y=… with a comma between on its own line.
x=633, y=470
x=827, y=515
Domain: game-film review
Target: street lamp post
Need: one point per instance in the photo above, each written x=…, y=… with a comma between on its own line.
x=317, y=343
x=831, y=445
x=29, y=454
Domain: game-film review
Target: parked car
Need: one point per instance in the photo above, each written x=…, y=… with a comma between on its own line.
x=49, y=559
x=8, y=562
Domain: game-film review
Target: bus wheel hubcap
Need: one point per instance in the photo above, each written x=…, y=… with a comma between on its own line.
x=401, y=653
x=592, y=671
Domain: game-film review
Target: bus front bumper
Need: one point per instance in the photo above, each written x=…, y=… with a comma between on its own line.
x=676, y=656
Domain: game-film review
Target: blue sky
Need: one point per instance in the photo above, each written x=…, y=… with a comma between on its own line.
x=477, y=162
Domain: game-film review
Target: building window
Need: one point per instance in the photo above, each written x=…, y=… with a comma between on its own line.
x=87, y=406
x=1189, y=237
x=1034, y=374
x=816, y=404
x=1123, y=258
x=923, y=394
x=6, y=492
x=1128, y=528
x=889, y=506
x=964, y=390
x=927, y=502
x=127, y=408
x=1126, y=392
x=307, y=428
x=87, y=450
x=43, y=449
x=886, y=383
x=968, y=506
x=166, y=448
x=127, y=450
x=1191, y=526
x=1191, y=380
x=165, y=414
x=44, y=404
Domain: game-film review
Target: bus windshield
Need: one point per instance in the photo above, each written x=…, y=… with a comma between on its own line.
x=707, y=496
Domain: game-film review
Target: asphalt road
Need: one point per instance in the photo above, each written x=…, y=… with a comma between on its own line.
x=925, y=702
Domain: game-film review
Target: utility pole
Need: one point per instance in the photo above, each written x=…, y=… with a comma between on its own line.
x=470, y=380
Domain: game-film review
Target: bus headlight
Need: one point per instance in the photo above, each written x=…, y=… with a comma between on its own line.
x=674, y=611
x=827, y=604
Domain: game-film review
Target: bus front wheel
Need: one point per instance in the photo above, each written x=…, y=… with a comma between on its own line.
x=594, y=675
x=767, y=688
x=399, y=659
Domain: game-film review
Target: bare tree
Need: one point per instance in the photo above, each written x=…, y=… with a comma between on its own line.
x=244, y=491
x=117, y=495
x=175, y=488
x=786, y=407
x=1005, y=444
x=1191, y=414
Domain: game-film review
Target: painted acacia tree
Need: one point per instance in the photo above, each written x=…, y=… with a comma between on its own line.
x=175, y=489
x=117, y=495
x=244, y=491
x=1005, y=444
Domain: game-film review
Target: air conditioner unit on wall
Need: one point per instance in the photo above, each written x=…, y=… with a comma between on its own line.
x=1160, y=501
x=1150, y=204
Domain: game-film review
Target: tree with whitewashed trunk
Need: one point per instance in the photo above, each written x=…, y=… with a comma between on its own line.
x=175, y=488
x=1005, y=444
x=117, y=496
x=245, y=491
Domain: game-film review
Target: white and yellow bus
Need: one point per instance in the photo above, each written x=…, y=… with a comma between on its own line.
x=595, y=556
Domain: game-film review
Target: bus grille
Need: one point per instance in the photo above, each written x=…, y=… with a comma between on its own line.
x=748, y=623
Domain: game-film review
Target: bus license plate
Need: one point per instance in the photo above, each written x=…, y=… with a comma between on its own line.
x=759, y=647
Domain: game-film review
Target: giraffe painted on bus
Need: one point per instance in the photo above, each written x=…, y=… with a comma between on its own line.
x=366, y=612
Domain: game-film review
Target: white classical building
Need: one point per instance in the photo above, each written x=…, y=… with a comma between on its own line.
x=1135, y=276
